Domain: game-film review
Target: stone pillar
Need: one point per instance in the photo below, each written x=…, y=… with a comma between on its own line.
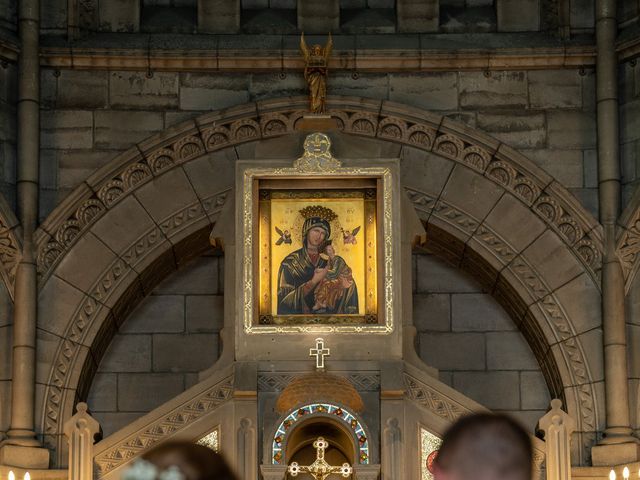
x=246, y=414
x=273, y=472
x=218, y=16
x=391, y=454
x=366, y=472
x=518, y=15
x=80, y=431
x=618, y=446
x=418, y=16
x=392, y=418
x=318, y=16
x=247, y=452
x=558, y=427
x=21, y=449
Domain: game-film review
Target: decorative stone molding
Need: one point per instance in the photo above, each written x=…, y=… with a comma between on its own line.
x=276, y=382
x=386, y=120
x=432, y=400
x=71, y=357
x=449, y=409
x=275, y=60
x=433, y=211
x=628, y=241
x=94, y=320
x=10, y=245
x=177, y=419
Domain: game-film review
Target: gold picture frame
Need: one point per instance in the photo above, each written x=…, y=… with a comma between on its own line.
x=317, y=180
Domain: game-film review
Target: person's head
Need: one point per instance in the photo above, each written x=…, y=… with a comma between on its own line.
x=316, y=50
x=180, y=461
x=485, y=447
x=315, y=232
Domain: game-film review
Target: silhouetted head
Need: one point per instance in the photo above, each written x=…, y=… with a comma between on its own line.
x=485, y=447
x=180, y=461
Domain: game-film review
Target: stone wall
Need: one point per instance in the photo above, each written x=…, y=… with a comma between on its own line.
x=8, y=12
x=629, y=92
x=89, y=117
x=8, y=97
x=628, y=11
x=161, y=347
x=633, y=339
x=478, y=350
x=173, y=335
x=6, y=338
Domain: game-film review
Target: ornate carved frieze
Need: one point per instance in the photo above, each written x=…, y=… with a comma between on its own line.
x=433, y=400
x=9, y=254
x=71, y=350
x=531, y=280
x=276, y=382
x=365, y=119
x=628, y=247
x=164, y=427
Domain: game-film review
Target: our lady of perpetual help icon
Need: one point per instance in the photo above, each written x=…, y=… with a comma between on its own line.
x=314, y=279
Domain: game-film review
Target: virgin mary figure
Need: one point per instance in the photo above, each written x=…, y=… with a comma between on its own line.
x=313, y=279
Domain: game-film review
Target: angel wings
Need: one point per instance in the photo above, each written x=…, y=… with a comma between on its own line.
x=316, y=52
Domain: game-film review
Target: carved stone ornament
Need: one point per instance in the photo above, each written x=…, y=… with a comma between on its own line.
x=317, y=155
x=316, y=161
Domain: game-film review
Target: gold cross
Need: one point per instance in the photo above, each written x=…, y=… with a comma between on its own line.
x=319, y=352
x=320, y=469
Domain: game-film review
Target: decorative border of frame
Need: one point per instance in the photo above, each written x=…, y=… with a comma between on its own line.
x=314, y=410
x=316, y=162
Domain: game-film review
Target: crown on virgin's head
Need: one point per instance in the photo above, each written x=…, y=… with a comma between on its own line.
x=318, y=211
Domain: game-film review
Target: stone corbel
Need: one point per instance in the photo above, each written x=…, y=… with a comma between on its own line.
x=367, y=472
x=273, y=472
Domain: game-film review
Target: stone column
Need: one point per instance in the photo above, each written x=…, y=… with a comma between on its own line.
x=618, y=446
x=246, y=414
x=318, y=16
x=558, y=427
x=80, y=431
x=418, y=16
x=218, y=16
x=21, y=448
x=392, y=420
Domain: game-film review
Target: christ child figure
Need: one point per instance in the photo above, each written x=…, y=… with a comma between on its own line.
x=338, y=279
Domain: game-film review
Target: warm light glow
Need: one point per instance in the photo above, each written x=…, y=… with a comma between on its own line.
x=27, y=476
x=612, y=475
x=625, y=473
x=12, y=475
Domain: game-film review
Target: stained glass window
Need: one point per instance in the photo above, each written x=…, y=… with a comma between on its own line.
x=429, y=445
x=324, y=409
x=211, y=440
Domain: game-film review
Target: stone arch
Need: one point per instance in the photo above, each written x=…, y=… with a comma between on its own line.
x=10, y=245
x=120, y=221
x=349, y=421
x=628, y=240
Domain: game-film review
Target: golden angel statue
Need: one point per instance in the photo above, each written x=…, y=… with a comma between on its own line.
x=315, y=72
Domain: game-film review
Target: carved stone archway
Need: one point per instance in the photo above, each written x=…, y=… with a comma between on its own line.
x=189, y=161
x=10, y=245
x=628, y=240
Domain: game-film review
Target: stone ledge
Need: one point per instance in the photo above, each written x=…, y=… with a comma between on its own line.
x=24, y=457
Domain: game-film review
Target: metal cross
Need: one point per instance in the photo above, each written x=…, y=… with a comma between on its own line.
x=320, y=469
x=319, y=352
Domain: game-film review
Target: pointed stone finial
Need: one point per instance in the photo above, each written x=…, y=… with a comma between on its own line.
x=80, y=431
x=558, y=427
